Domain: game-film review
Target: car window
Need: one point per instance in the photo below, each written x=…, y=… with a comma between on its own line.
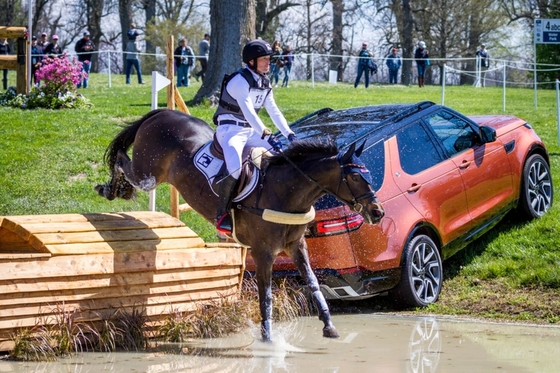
x=455, y=133
x=374, y=158
x=416, y=149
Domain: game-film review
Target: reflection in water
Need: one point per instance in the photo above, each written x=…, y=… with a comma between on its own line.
x=368, y=343
x=425, y=346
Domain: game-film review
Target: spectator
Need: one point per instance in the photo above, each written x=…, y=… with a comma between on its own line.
x=421, y=56
x=133, y=32
x=203, y=52
x=5, y=50
x=276, y=63
x=184, y=60
x=365, y=56
x=132, y=50
x=44, y=42
x=84, y=48
x=394, y=63
x=484, y=58
x=288, y=58
x=36, y=59
x=54, y=49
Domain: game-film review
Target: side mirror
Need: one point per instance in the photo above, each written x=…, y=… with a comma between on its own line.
x=487, y=134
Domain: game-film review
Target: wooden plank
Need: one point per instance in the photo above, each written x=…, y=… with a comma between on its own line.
x=110, y=236
x=120, y=262
x=126, y=246
x=4, y=257
x=151, y=312
x=8, y=62
x=8, y=287
x=18, y=303
x=191, y=293
x=12, y=32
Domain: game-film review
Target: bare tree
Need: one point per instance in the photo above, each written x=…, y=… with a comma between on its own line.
x=233, y=25
x=267, y=17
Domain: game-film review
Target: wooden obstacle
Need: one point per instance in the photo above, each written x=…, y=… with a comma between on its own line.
x=95, y=264
x=19, y=62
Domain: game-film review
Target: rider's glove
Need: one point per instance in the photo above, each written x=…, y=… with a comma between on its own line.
x=272, y=141
x=292, y=137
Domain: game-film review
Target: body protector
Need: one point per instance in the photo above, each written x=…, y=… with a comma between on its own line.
x=228, y=105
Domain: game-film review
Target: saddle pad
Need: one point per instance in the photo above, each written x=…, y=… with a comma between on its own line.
x=210, y=166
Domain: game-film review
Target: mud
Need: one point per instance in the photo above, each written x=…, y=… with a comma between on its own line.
x=367, y=343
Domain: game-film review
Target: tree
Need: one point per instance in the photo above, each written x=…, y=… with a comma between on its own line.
x=233, y=24
x=267, y=17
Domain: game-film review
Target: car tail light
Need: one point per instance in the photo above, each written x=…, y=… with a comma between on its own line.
x=336, y=226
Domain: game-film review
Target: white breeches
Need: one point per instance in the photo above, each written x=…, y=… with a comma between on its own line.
x=233, y=139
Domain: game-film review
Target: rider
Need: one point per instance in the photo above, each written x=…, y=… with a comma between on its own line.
x=238, y=125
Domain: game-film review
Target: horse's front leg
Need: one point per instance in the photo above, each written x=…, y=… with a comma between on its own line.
x=263, y=271
x=301, y=260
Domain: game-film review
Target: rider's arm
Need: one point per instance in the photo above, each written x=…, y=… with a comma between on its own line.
x=276, y=116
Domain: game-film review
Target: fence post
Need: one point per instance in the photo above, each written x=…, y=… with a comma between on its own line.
x=558, y=110
x=504, y=75
x=109, y=66
x=443, y=85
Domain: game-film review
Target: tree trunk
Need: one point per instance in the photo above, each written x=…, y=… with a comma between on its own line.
x=232, y=26
x=408, y=46
x=94, y=15
x=335, y=62
x=125, y=15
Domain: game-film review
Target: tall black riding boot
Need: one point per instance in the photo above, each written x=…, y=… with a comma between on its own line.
x=224, y=222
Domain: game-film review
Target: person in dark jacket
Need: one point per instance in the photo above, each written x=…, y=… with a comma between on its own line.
x=184, y=61
x=288, y=58
x=5, y=50
x=36, y=59
x=84, y=48
x=394, y=63
x=364, y=58
x=53, y=49
x=421, y=56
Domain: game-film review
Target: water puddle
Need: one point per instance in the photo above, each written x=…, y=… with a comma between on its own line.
x=367, y=343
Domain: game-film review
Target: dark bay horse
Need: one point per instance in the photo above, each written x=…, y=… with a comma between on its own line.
x=165, y=142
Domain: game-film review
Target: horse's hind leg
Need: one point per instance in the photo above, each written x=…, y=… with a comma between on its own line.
x=301, y=260
x=138, y=180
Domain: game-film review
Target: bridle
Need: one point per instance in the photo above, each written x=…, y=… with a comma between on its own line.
x=354, y=202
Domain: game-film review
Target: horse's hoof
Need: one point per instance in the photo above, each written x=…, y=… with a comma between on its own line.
x=330, y=332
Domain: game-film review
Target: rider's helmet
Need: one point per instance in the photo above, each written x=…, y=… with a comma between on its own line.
x=255, y=49
x=421, y=44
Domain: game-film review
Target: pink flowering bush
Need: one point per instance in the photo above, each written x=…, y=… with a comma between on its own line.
x=59, y=77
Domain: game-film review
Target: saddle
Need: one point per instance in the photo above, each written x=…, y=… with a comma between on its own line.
x=210, y=161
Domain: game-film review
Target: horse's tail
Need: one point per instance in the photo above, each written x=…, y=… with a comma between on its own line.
x=125, y=139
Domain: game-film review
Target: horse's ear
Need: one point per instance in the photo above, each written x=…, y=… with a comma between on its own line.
x=347, y=157
x=360, y=149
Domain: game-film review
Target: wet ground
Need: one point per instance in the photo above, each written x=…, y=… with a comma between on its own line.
x=367, y=343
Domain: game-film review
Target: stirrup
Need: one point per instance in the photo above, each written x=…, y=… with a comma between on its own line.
x=224, y=224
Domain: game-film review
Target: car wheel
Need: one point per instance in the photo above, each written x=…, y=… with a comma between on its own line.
x=422, y=273
x=536, y=187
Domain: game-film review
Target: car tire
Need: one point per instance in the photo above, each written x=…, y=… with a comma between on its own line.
x=536, y=188
x=421, y=274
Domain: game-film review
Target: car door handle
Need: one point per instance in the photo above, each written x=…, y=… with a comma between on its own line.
x=465, y=164
x=413, y=188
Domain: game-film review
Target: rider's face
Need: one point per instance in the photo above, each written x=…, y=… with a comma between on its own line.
x=263, y=64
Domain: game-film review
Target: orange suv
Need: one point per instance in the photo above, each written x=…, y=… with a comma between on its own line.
x=443, y=179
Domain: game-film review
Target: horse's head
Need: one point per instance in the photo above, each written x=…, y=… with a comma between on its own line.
x=359, y=194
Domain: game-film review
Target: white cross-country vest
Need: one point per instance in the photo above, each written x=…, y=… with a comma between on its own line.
x=228, y=105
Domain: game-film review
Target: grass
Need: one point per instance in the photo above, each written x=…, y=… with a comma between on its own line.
x=51, y=160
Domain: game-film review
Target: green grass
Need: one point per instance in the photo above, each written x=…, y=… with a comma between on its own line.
x=51, y=160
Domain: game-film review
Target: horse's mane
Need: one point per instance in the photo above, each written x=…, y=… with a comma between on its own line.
x=301, y=150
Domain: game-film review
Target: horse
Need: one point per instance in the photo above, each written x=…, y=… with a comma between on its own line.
x=164, y=143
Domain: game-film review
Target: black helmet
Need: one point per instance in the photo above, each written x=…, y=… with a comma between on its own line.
x=256, y=48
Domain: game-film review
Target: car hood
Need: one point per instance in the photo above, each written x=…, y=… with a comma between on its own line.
x=501, y=123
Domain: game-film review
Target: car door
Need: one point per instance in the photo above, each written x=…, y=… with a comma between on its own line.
x=431, y=181
x=484, y=167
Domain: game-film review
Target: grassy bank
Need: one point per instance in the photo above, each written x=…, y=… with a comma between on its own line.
x=51, y=160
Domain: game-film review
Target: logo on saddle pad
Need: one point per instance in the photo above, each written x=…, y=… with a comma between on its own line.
x=214, y=169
